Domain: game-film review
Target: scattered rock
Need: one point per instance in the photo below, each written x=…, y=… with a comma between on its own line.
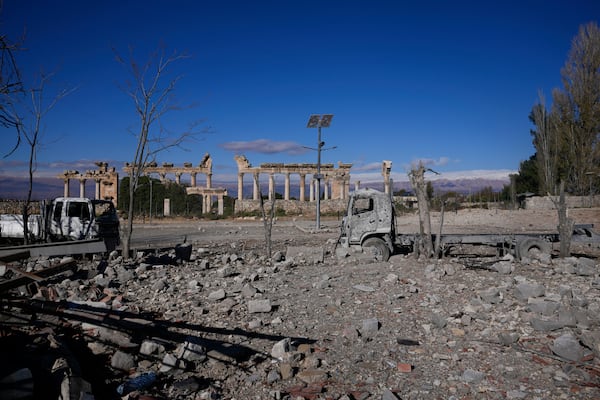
x=230, y=322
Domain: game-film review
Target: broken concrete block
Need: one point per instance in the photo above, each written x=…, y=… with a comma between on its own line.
x=311, y=376
x=259, y=306
x=305, y=254
x=567, y=346
x=190, y=351
x=217, y=295
x=524, y=291
x=389, y=395
x=281, y=348
x=149, y=347
x=122, y=361
x=370, y=326
x=503, y=267
x=472, y=376
x=546, y=326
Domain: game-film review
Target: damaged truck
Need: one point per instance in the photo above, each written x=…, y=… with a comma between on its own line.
x=370, y=224
x=64, y=219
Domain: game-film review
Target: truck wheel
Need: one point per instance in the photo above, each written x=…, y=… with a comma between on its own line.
x=378, y=247
x=525, y=246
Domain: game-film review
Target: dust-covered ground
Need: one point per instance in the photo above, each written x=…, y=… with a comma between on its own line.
x=229, y=323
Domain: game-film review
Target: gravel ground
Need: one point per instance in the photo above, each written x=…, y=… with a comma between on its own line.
x=229, y=324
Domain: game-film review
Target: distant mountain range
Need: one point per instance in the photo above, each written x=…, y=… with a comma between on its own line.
x=48, y=188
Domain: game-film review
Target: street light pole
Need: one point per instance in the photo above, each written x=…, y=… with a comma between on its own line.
x=150, y=180
x=319, y=121
x=319, y=145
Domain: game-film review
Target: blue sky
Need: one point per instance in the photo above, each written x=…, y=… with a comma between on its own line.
x=448, y=82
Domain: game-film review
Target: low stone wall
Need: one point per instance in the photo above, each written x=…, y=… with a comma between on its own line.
x=545, y=202
x=293, y=207
x=16, y=207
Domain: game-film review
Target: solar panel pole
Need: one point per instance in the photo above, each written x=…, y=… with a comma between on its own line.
x=319, y=121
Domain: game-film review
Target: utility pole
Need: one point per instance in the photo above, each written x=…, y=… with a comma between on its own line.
x=319, y=121
x=150, y=180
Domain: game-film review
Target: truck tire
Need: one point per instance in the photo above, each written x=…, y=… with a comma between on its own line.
x=378, y=247
x=526, y=245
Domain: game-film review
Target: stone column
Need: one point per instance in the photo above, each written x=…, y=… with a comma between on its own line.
x=205, y=204
x=240, y=191
x=386, y=169
x=255, y=193
x=209, y=180
x=302, y=187
x=163, y=176
x=66, y=189
x=193, y=182
x=286, y=190
x=326, y=190
x=311, y=196
x=346, y=188
x=357, y=185
x=271, y=186
x=98, y=193
x=178, y=178
x=167, y=207
x=220, y=204
x=81, y=187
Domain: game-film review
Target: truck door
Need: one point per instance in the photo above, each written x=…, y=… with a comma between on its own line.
x=55, y=220
x=362, y=218
x=77, y=220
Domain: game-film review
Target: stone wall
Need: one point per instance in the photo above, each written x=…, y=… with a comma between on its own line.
x=294, y=207
x=545, y=202
x=16, y=207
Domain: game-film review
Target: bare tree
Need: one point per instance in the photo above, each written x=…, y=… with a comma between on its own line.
x=11, y=87
x=438, y=246
x=28, y=119
x=268, y=218
x=417, y=180
x=151, y=91
x=546, y=142
x=565, y=223
x=577, y=109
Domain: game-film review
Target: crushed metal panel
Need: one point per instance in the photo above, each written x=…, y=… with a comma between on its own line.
x=58, y=248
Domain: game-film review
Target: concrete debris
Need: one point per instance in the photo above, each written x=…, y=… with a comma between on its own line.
x=567, y=346
x=220, y=320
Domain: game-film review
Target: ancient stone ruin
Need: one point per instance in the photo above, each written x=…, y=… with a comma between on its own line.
x=204, y=167
x=106, y=181
x=335, y=183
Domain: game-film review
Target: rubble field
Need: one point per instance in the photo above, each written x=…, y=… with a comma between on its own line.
x=215, y=318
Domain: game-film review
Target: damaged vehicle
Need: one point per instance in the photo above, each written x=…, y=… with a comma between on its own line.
x=65, y=219
x=370, y=225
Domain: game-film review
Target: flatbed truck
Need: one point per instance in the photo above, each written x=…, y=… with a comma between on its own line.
x=370, y=223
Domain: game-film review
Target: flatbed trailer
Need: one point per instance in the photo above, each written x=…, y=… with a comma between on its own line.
x=370, y=222
x=519, y=244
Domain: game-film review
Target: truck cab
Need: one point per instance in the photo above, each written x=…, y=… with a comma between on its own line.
x=79, y=218
x=369, y=223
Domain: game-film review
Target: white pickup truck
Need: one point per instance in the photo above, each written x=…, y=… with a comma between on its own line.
x=63, y=219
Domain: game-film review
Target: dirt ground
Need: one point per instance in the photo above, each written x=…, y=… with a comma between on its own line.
x=286, y=229
x=231, y=324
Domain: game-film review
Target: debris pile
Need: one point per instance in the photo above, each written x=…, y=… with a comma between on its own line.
x=225, y=322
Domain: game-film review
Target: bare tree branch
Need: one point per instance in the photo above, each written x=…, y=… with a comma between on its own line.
x=31, y=130
x=11, y=88
x=151, y=92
